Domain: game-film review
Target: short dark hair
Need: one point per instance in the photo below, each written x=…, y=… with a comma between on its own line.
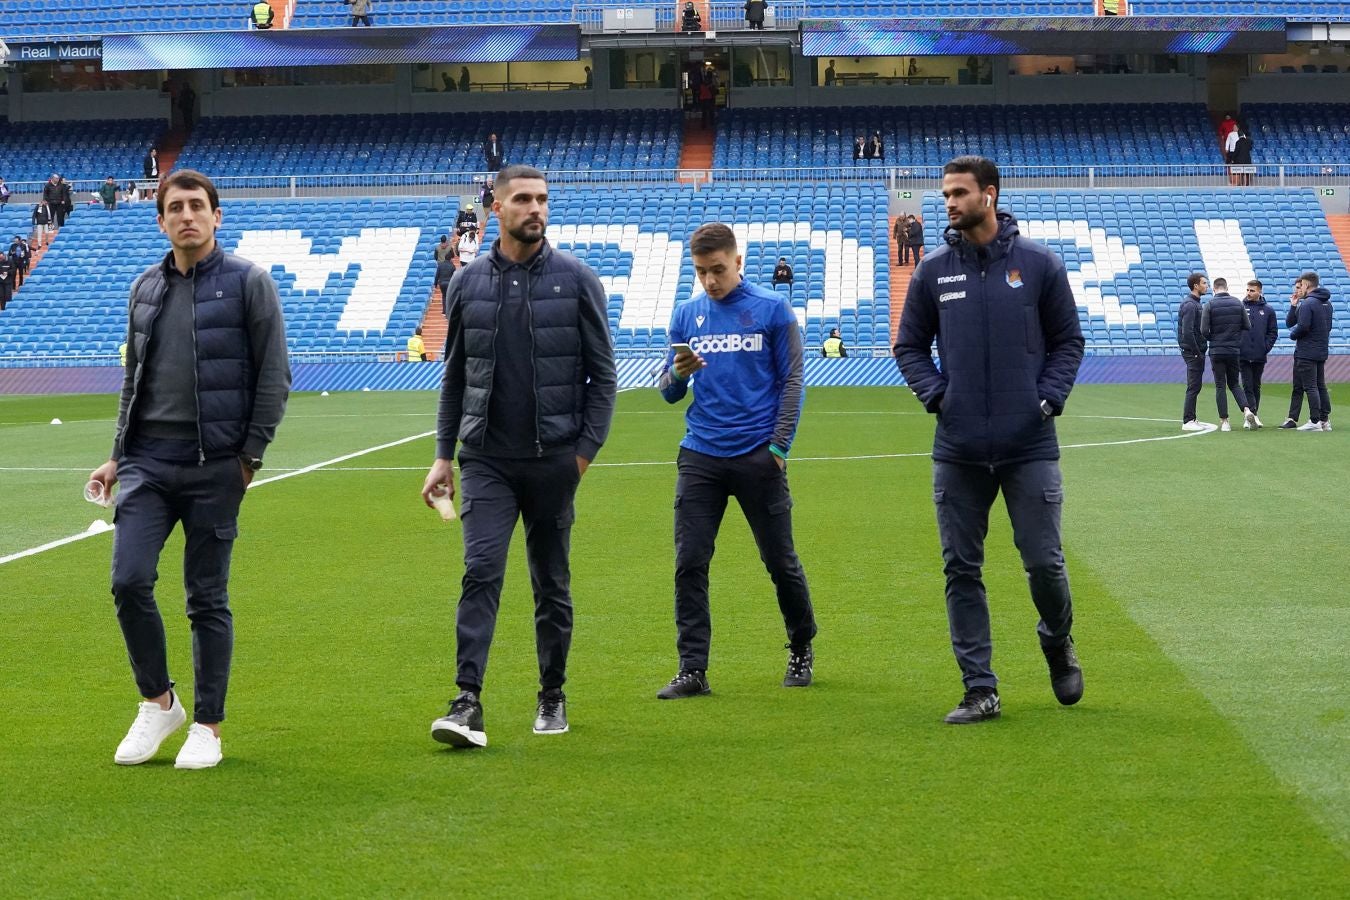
x=1194, y=279
x=1311, y=278
x=1220, y=284
x=711, y=238
x=511, y=173
x=1255, y=282
x=187, y=180
x=984, y=170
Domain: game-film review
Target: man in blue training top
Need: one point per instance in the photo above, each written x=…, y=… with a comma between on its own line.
x=1010, y=344
x=744, y=343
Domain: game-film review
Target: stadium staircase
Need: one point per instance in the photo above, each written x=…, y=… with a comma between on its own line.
x=434, y=326
x=696, y=152
x=170, y=145
x=1340, y=233
x=899, y=281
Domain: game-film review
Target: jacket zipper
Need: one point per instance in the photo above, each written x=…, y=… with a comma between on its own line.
x=988, y=371
x=196, y=375
x=534, y=369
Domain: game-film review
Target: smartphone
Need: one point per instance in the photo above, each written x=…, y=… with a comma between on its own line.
x=681, y=347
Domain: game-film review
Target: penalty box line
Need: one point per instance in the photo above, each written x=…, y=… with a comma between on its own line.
x=280, y=476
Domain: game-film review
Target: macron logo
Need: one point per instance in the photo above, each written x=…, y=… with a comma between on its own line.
x=727, y=343
x=951, y=279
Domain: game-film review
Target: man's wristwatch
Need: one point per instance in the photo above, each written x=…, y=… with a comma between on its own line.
x=1046, y=409
x=252, y=463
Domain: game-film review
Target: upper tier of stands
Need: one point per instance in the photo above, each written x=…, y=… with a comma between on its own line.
x=77, y=18
x=1063, y=135
x=432, y=142
x=1299, y=132
x=32, y=151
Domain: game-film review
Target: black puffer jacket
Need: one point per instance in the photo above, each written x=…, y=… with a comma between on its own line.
x=574, y=375
x=1223, y=322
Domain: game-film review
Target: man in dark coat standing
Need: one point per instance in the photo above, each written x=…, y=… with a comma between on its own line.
x=1009, y=341
x=1222, y=323
x=493, y=154
x=1193, y=346
x=1256, y=344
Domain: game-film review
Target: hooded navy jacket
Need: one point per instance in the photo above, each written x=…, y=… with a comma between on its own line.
x=1189, y=338
x=1008, y=337
x=1313, y=330
x=1256, y=343
x=1223, y=322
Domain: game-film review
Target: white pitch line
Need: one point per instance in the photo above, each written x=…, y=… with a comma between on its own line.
x=61, y=542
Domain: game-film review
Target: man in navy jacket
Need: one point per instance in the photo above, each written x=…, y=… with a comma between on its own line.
x=1312, y=336
x=1256, y=343
x=1223, y=322
x=1010, y=344
x=1193, y=346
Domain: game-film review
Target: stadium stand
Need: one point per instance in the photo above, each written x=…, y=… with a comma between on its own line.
x=31, y=151
x=67, y=19
x=1299, y=132
x=1059, y=135
x=1302, y=10
x=445, y=142
x=332, y=14
x=1128, y=253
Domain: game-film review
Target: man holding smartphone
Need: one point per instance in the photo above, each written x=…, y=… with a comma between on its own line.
x=744, y=343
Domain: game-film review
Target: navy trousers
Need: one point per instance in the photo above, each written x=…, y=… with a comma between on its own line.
x=1034, y=494
x=494, y=493
x=1195, y=376
x=702, y=489
x=154, y=497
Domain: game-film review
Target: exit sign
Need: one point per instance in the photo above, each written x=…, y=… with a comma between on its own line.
x=1327, y=192
x=906, y=195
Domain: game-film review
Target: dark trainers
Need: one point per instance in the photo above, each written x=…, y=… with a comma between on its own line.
x=463, y=725
x=689, y=683
x=1288, y=424
x=979, y=704
x=552, y=716
x=1066, y=676
x=799, y=667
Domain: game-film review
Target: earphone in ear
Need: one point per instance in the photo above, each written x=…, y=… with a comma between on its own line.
x=988, y=199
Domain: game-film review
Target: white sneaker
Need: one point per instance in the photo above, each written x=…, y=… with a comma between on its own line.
x=1249, y=420
x=1192, y=425
x=1309, y=426
x=200, y=751
x=1224, y=426
x=151, y=727
x=1246, y=426
x=1326, y=426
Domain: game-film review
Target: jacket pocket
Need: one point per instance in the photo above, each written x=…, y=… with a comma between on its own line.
x=1054, y=495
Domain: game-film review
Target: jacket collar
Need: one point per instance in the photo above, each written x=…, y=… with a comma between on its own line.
x=996, y=249
x=501, y=263
x=204, y=266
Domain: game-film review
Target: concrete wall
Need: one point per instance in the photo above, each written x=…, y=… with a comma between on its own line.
x=1294, y=88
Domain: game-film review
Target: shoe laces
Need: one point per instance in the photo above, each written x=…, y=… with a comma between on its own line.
x=799, y=661
x=144, y=717
x=1063, y=661
x=975, y=696
x=550, y=706
x=462, y=704
x=685, y=676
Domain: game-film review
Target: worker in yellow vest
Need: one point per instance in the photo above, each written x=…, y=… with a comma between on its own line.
x=122, y=353
x=261, y=15
x=833, y=348
x=417, y=351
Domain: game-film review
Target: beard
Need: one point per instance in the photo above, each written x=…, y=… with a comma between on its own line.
x=969, y=220
x=526, y=232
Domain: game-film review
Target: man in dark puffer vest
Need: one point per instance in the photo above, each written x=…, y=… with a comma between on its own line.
x=1223, y=322
x=1010, y=344
x=528, y=393
x=204, y=390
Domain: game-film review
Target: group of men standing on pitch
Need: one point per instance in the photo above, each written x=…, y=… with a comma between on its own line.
x=527, y=399
x=1238, y=336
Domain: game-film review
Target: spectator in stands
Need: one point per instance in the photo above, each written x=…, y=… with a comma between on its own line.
x=486, y=197
x=18, y=258
x=53, y=196
x=445, y=270
x=261, y=15
x=739, y=430
x=107, y=192
x=150, y=164
x=6, y=282
x=493, y=152
x=42, y=223
x=689, y=18
x=203, y=392
x=590, y=81
x=441, y=251
x=754, y=14
x=1222, y=323
x=1226, y=128
x=130, y=193
x=1229, y=149
x=528, y=393
x=1193, y=347
x=468, y=247
x=187, y=105
x=360, y=12
x=1256, y=344
x=466, y=221
x=833, y=347
x=859, y=147
x=782, y=273
x=417, y=351
x=448, y=83
x=995, y=435
x=914, y=232
x=900, y=231
x=1296, y=390
x=707, y=95
x=1312, y=337
x=830, y=76
x=4, y=194
x=464, y=81
x=1242, y=156
x=122, y=354
x=874, y=149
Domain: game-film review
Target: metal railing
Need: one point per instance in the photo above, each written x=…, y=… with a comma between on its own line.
x=715, y=16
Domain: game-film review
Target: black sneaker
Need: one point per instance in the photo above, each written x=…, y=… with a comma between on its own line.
x=1288, y=424
x=979, y=704
x=799, y=667
x=1066, y=675
x=463, y=725
x=689, y=683
x=552, y=716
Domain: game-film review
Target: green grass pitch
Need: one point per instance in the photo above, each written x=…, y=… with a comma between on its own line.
x=1210, y=756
